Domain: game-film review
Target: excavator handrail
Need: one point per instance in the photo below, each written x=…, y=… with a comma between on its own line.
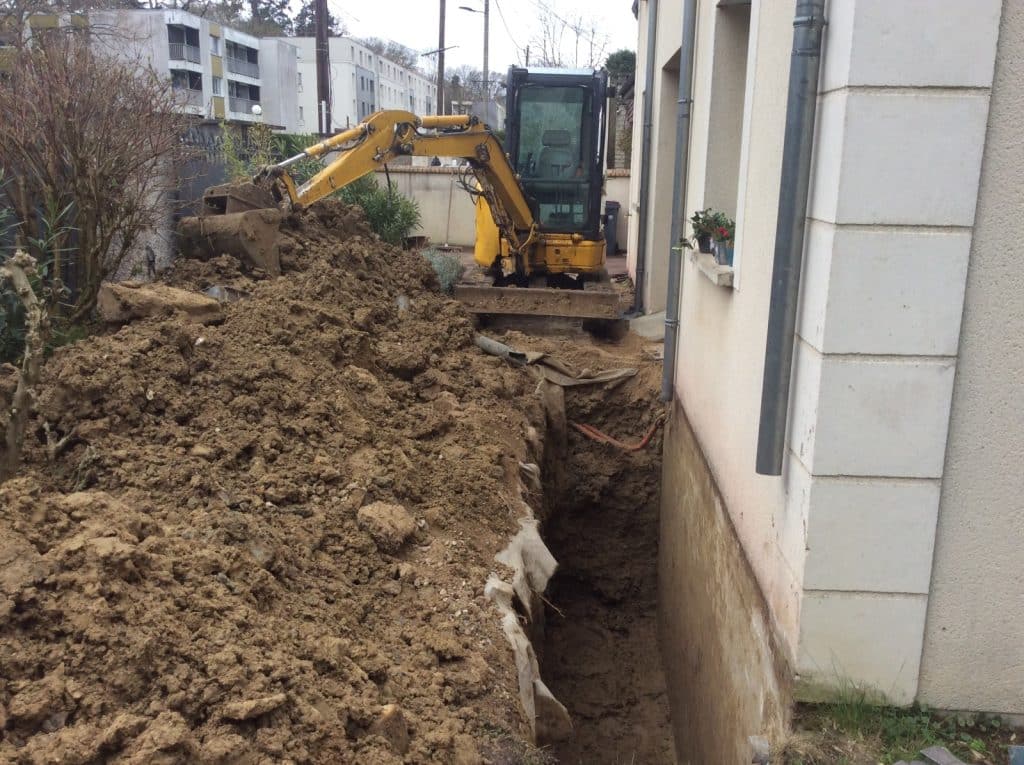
x=391, y=133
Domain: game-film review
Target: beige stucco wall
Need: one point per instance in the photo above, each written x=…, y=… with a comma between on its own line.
x=974, y=643
x=722, y=335
x=664, y=92
x=431, y=187
x=841, y=545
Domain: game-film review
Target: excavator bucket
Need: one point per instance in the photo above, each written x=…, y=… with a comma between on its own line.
x=241, y=220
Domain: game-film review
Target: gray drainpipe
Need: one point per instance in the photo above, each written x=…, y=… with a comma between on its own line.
x=645, y=157
x=675, y=253
x=789, y=233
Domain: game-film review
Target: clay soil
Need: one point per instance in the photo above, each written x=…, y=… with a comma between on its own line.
x=266, y=540
x=600, y=652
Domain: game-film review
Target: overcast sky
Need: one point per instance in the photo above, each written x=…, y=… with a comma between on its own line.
x=514, y=24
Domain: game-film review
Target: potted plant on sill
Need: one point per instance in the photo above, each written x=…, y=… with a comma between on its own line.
x=703, y=224
x=724, y=235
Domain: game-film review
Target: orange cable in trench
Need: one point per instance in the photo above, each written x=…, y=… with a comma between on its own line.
x=596, y=435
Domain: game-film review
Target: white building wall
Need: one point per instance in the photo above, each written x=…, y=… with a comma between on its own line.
x=842, y=543
x=393, y=85
x=279, y=74
x=973, y=649
x=722, y=334
x=145, y=39
x=898, y=155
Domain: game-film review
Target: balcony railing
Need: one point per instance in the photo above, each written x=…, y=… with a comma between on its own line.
x=184, y=52
x=189, y=97
x=240, y=66
x=241, y=105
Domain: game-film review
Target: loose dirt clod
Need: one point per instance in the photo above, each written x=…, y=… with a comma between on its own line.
x=191, y=580
x=389, y=525
x=119, y=303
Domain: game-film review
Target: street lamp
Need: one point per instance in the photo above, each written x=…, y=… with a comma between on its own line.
x=487, y=20
x=440, y=70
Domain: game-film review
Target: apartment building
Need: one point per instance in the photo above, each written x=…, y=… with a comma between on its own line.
x=222, y=73
x=362, y=82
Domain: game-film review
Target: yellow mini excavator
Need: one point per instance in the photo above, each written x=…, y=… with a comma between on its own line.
x=539, y=235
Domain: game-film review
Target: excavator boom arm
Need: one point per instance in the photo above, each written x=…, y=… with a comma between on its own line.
x=390, y=134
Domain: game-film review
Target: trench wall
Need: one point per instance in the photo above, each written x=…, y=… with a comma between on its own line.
x=727, y=678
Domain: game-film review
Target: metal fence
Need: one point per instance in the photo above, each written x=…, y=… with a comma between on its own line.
x=183, y=52
x=240, y=66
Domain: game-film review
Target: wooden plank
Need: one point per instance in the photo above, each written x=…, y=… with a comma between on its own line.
x=539, y=301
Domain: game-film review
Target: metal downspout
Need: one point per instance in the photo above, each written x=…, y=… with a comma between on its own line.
x=789, y=233
x=679, y=173
x=645, y=156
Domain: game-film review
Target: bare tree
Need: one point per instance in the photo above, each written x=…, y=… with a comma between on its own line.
x=561, y=42
x=393, y=51
x=89, y=135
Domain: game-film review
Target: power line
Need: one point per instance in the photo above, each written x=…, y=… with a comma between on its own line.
x=574, y=27
x=504, y=23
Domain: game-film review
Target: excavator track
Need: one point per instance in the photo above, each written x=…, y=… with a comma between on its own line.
x=539, y=301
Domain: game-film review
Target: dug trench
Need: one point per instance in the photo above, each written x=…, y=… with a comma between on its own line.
x=598, y=644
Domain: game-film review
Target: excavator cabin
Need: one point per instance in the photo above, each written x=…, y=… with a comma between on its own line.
x=554, y=138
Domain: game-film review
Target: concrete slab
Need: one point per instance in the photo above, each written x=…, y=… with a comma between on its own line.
x=651, y=326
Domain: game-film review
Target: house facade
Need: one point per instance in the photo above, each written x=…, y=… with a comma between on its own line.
x=883, y=556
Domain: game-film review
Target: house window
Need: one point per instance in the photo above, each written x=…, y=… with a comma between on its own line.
x=214, y=45
x=298, y=76
x=302, y=119
x=216, y=84
x=722, y=186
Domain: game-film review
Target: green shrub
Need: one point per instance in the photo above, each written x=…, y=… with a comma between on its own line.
x=448, y=267
x=390, y=214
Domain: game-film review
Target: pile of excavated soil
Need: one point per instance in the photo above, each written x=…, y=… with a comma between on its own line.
x=266, y=540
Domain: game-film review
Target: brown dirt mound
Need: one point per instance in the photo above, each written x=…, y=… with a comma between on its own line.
x=189, y=581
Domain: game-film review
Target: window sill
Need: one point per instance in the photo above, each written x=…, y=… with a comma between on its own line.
x=720, y=276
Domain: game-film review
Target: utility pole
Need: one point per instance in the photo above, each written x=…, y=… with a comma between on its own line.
x=527, y=55
x=323, y=69
x=440, y=63
x=487, y=72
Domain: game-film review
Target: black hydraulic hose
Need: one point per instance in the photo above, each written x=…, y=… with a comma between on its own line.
x=789, y=233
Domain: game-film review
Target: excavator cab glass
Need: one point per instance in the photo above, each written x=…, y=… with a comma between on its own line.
x=555, y=140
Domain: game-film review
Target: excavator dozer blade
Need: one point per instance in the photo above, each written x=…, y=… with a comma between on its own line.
x=241, y=220
x=539, y=301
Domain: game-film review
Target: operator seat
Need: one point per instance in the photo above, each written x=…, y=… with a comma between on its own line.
x=556, y=158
